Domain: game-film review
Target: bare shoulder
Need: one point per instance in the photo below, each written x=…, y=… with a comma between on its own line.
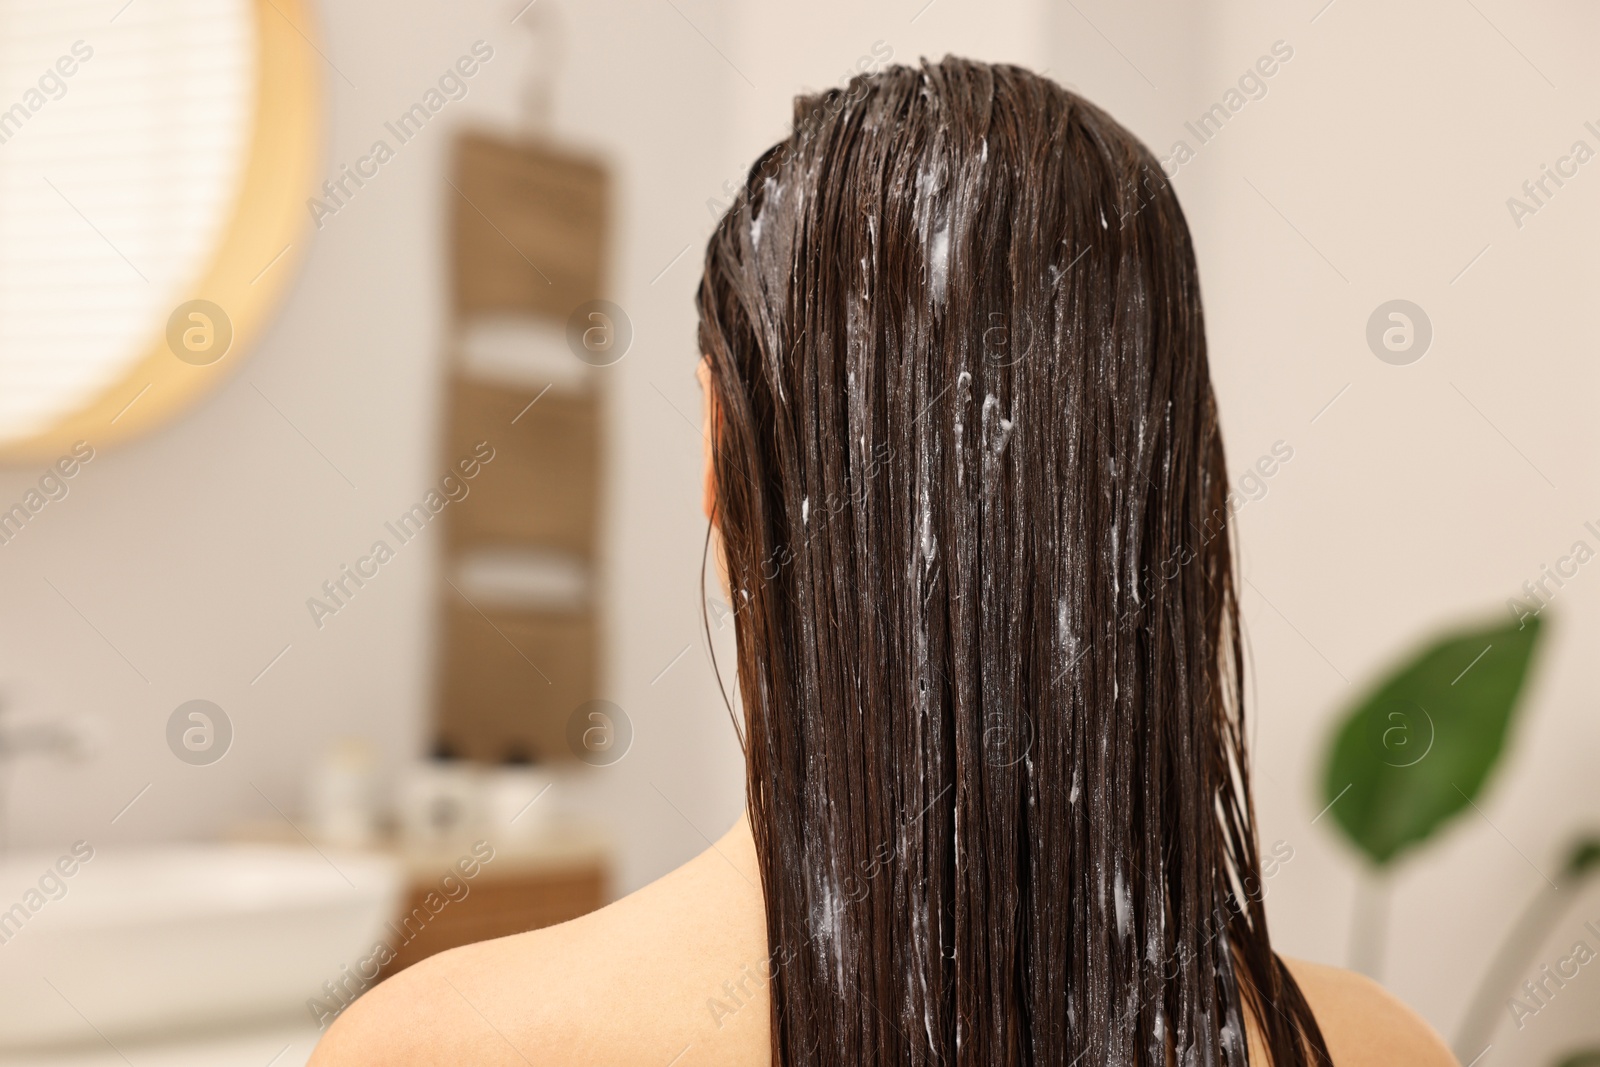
x=677, y=973
x=1365, y=1025
x=673, y=973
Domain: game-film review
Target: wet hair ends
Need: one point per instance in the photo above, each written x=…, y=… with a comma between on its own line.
x=969, y=484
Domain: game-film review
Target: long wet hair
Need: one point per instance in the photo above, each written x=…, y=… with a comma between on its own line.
x=972, y=502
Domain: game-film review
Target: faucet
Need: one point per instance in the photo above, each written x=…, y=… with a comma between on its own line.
x=74, y=738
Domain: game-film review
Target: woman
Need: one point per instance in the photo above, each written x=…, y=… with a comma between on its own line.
x=969, y=496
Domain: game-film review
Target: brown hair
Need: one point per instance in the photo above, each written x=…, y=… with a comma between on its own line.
x=965, y=457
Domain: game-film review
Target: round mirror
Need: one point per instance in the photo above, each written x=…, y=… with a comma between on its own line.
x=152, y=182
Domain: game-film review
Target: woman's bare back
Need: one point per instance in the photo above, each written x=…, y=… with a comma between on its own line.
x=675, y=975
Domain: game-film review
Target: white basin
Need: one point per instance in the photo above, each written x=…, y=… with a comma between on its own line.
x=172, y=939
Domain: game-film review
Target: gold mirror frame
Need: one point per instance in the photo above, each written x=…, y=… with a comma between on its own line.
x=264, y=230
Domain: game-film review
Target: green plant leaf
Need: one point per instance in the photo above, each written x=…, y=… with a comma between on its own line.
x=1582, y=857
x=1416, y=749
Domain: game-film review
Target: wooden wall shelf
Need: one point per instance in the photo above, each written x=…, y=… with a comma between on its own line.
x=530, y=228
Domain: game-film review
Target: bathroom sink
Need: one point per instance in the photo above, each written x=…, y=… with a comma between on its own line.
x=172, y=939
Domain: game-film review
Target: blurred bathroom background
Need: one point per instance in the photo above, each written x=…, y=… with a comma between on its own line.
x=241, y=346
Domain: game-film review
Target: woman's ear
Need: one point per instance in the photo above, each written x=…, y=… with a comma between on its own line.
x=708, y=421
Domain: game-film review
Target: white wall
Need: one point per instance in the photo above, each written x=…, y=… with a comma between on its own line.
x=1391, y=141
x=194, y=550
